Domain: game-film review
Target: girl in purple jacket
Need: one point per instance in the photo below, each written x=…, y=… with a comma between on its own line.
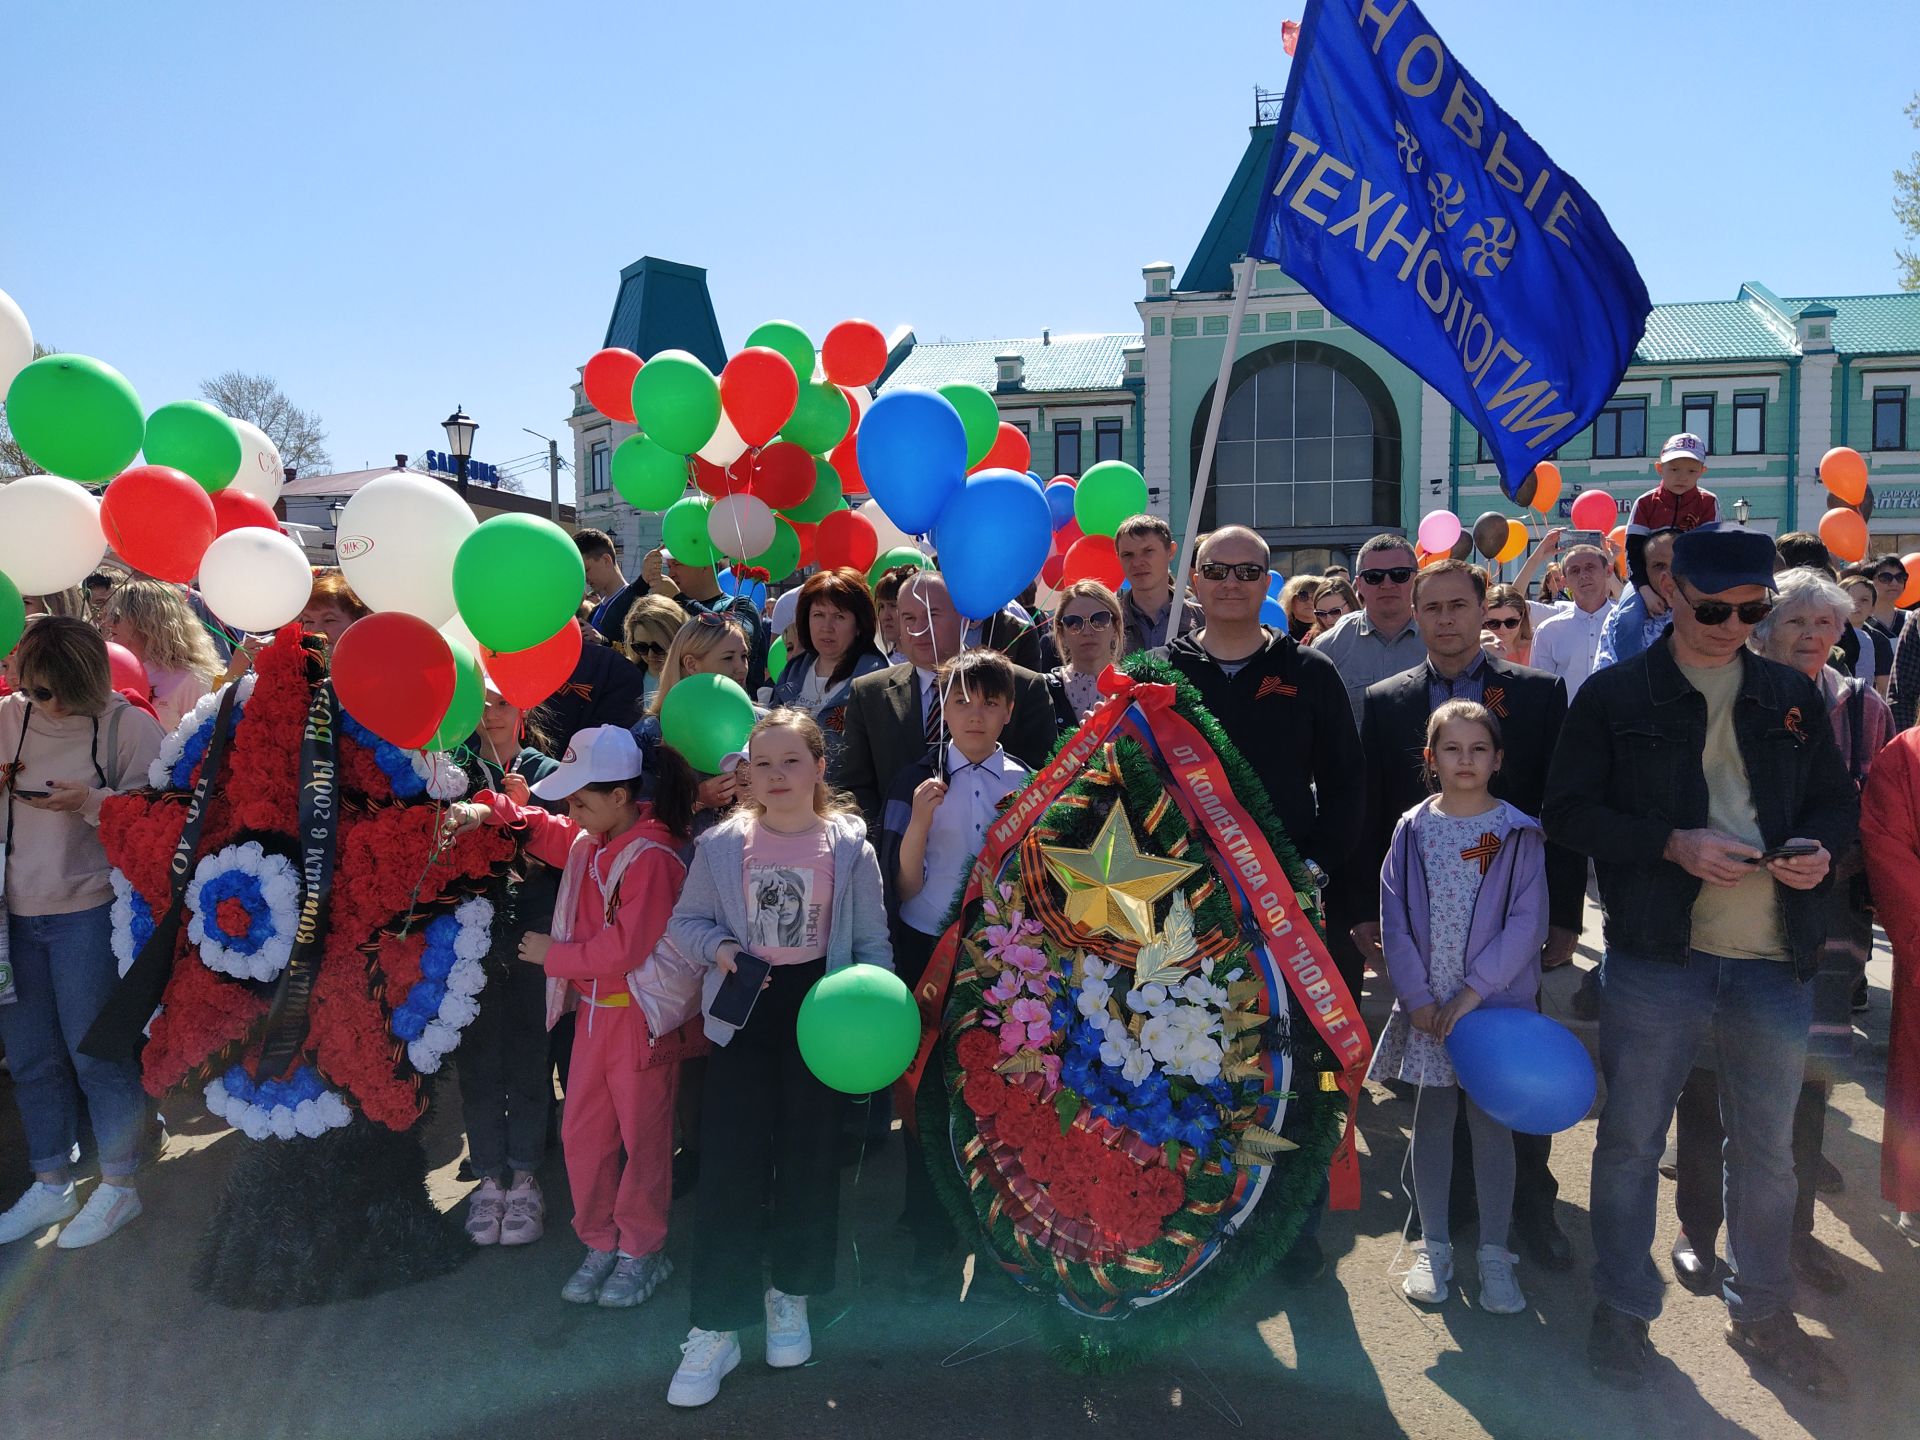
x=1463, y=916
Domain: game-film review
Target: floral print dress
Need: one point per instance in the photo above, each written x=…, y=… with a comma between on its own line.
x=1455, y=853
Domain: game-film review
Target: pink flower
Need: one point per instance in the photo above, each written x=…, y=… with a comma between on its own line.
x=1026, y=958
x=1026, y=1012
x=1012, y=1037
x=1007, y=987
x=1039, y=1035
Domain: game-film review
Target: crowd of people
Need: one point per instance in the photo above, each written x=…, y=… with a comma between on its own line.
x=1691, y=731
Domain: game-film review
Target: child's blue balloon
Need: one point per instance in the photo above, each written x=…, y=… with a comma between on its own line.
x=1530, y=1073
x=1059, y=501
x=912, y=449
x=1271, y=613
x=993, y=537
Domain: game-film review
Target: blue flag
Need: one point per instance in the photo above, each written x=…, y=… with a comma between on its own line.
x=1405, y=199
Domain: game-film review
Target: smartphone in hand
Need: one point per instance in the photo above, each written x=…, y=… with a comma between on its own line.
x=734, y=1002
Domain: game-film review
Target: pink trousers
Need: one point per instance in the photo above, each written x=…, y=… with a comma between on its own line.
x=616, y=1104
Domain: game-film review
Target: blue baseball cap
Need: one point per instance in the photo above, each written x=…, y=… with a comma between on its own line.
x=1713, y=560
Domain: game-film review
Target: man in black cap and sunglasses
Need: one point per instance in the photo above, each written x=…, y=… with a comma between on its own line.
x=1705, y=783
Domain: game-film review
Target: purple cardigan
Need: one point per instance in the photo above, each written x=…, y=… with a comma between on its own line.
x=1509, y=925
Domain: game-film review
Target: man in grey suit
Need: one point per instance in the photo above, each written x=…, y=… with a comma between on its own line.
x=892, y=717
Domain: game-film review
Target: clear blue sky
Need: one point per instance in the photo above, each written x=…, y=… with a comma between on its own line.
x=395, y=208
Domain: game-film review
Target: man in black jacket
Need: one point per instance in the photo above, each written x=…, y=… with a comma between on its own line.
x=1705, y=783
x=1449, y=606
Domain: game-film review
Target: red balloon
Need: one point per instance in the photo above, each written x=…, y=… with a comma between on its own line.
x=1065, y=537
x=526, y=677
x=846, y=539
x=237, y=510
x=159, y=521
x=1050, y=572
x=394, y=673
x=608, y=381
x=1064, y=480
x=1010, y=451
x=718, y=482
x=845, y=460
x=854, y=353
x=783, y=474
x=757, y=390
x=807, y=534
x=1093, y=557
x=1595, y=510
x=127, y=671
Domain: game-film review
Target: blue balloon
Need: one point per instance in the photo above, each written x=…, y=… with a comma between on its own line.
x=993, y=538
x=1060, y=501
x=1272, y=614
x=728, y=585
x=1274, y=581
x=912, y=450
x=1530, y=1073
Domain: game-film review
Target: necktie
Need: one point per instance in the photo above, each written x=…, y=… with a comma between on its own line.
x=930, y=702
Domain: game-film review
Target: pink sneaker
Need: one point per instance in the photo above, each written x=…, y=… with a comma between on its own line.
x=484, y=1209
x=526, y=1214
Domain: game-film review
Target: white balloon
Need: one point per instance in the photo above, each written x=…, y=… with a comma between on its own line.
x=890, y=535
x=50, y=535
x=456, y=632
x=260, y=473
x=255, y=579
x=16, y=342
x=725, y=447
x=397, y=539
x=740, y=526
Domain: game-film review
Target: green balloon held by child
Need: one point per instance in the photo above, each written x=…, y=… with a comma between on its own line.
x=858, y=1029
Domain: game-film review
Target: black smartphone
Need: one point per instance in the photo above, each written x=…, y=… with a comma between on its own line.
x=734, y=1002
x=33, y=794
x=1788, y=852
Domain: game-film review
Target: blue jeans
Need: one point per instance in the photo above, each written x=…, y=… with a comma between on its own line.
x=65, y=970
x=1653, y=1016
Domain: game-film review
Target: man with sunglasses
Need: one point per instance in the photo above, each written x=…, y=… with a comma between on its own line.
x=1380, y=639
x=1706, y=786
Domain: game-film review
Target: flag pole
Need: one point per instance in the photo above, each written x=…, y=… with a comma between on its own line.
x=1243, y=291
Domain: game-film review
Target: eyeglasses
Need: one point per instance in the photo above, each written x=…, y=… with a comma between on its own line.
x=1494, y=622
x=1397, y=574
x=1718, y=612
x=1074, y=624
x=1219, y=570
x=1334, y=614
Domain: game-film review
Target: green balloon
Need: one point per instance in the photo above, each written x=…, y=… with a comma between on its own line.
x=820, y=419
x=1107, y=494
x=776, y=657
x=676, y=400
x=858, y=1029
x=899, y=555
x=517, y=579
x=791, y=341
x=683, y=530
x=468, y=703
x=76, y=417
x=782, y=557
x=191, y=435
x=13, y=616
x=706, y=718
x=648, y=477
x=825, y=498
x=978, y=414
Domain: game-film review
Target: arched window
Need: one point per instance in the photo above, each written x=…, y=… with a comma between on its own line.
x=1309, y=439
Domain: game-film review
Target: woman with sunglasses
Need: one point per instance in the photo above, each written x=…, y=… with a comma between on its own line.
x=1332, y=602
x=1297, y=599
x=837, y=629
x=1087, y=626
x=1509, y=620
x=647, y=634
x=67, y=742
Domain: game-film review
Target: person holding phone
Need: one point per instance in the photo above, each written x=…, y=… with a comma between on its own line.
x=782, y=892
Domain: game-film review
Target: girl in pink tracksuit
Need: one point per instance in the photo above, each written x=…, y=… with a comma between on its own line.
x=621, y=874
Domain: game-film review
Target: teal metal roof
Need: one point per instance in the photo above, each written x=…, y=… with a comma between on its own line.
x=1225, y=240
x=1874, y=324
x=665, y=306
x=1066, y=362
x=1714, y=330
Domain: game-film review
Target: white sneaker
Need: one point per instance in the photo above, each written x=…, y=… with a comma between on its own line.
x=1432, y=1269
x=41, y=1206
x=706, y=1358
x=1499, y=1291
x=106, y=1210
x=789, y=1339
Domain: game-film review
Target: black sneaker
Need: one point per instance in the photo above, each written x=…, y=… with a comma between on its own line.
x=1618, y=1351
x=1777, y=1344
x=1305, y=1263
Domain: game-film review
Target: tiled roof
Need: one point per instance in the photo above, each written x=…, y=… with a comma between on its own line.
x=1065, y=362
x=1873, y=324
x=663, y=305
x=1714, y=330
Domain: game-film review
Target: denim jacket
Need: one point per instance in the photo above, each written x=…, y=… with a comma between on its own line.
x=1628, y=773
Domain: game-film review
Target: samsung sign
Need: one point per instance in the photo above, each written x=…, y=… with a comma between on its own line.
x=478, y=471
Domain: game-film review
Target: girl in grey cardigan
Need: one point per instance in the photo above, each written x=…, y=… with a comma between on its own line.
x=792, y=880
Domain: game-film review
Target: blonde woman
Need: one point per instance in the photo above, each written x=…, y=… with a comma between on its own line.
x=647, y=634
x=151, y=619
x=1089, y=630
x=1297, y=599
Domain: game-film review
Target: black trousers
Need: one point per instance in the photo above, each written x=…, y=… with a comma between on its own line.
x=1699, y=1198
x=769, y=1192
x=925, y=1217
x=506, y=1083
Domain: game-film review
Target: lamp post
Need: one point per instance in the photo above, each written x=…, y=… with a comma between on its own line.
x=1741, y=511
x=460, y=427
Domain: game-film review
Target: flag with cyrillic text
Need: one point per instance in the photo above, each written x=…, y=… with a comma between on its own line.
x=1415, y=208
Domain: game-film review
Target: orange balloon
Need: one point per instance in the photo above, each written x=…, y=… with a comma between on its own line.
x=1546, y=486
x=1618, y=535
x=1844, y=473
x=1845, y=535
x=1515, y=545
x=1911, y=595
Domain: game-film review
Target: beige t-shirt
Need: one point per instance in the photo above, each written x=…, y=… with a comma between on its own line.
x=1744, y=921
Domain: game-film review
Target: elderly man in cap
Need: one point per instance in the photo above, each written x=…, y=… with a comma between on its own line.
x=1703, y=782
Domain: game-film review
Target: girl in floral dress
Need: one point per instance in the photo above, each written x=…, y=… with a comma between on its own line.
x=1463, y=916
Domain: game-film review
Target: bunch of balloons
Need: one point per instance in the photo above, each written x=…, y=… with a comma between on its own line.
x=1843, y=470
x=1086, y=513
x=200, y=505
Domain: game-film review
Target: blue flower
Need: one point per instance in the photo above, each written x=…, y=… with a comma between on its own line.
x=394, y=762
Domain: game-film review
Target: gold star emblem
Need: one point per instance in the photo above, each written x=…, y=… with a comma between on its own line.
x=1110, y=886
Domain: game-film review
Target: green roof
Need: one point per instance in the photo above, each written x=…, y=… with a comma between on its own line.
x=1714, y=330
x=1060, y=363
x=1874, y=324
x=663, y=305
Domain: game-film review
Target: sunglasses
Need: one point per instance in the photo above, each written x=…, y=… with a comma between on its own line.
x=1718, y=612
x=1334, y=614
x=1398, y=574
x=1892, y=577
x=1074, y=624
x=1218, y=570
x=1494, y=622
x=650, y=649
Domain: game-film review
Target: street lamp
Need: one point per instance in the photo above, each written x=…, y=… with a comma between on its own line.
x=1741, y=511
x=460, y=427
